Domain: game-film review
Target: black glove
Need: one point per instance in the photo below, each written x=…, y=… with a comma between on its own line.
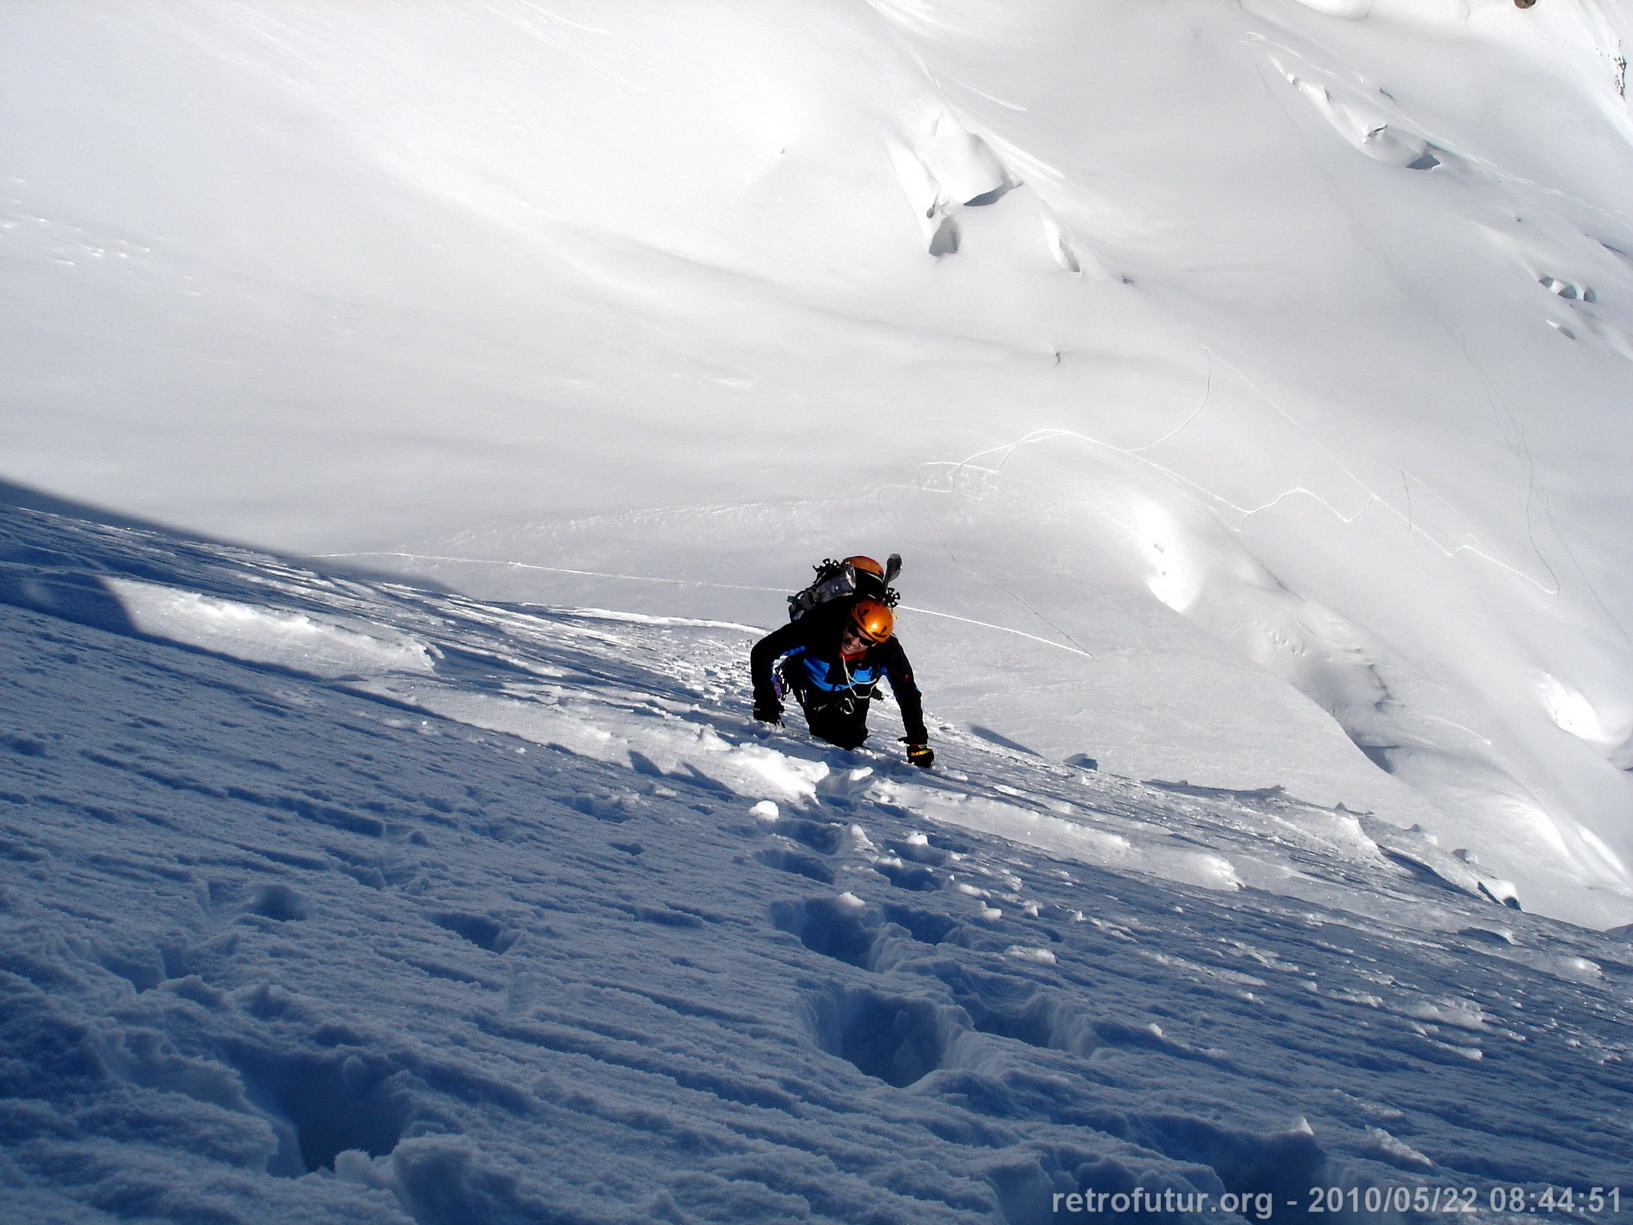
x=768, y=710
x=920, y=755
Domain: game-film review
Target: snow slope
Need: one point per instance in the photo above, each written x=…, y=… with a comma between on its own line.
x=333, y=899
x=1255, y=372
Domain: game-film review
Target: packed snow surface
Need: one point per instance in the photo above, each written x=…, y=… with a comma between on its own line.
x=519, y=917
x=1245, y=383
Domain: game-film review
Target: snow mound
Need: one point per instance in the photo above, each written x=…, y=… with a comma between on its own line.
x=321, y=646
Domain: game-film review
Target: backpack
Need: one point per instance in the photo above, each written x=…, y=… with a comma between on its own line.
x=855, y=576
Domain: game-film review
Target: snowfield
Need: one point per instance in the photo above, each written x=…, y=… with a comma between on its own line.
x=1281, y=348
x=329, y=899
x=411, y=413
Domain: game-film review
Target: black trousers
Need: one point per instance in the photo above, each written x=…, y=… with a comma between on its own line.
x=839, y=718
x=837, y=725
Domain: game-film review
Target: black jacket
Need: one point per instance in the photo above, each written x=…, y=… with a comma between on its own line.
x=817, y=633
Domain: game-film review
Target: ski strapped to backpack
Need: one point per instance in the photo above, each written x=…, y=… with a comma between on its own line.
x=858, y=576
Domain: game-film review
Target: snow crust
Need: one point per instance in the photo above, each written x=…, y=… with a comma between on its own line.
x=534, y=924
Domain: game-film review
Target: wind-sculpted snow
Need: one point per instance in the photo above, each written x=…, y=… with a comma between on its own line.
x=1307, y=321
x=518, y=917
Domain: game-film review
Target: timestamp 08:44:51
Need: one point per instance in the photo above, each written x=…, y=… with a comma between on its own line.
x=1589, y=1200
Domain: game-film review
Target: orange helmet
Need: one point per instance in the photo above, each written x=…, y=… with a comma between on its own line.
x=866, y=564
x=873, y=619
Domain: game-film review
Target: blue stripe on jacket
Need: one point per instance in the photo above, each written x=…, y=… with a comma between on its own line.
x=817, y=672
